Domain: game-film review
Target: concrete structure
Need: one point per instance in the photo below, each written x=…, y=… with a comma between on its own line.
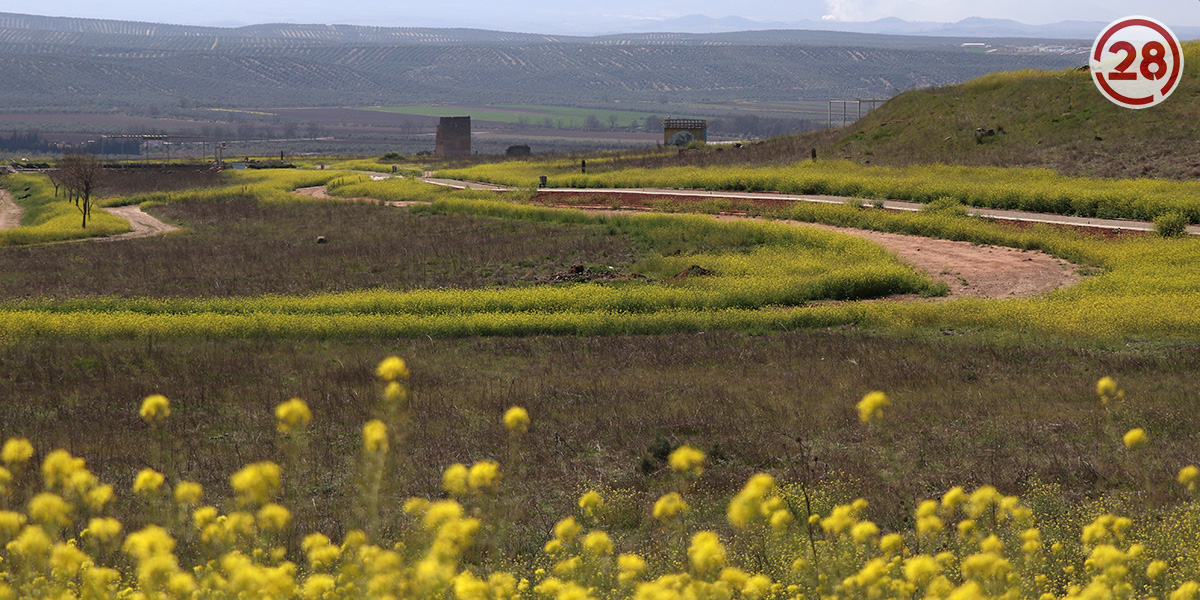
x=453, y=137
x=681, y=132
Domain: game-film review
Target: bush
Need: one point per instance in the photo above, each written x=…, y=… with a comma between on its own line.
x=1172, y=224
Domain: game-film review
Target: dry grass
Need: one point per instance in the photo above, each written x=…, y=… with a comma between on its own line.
x=242, y=247
x=965, y=411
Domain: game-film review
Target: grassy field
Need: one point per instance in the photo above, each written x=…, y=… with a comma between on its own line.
x=654, y=444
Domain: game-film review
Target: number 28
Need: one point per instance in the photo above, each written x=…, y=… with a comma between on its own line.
x=1155, y=55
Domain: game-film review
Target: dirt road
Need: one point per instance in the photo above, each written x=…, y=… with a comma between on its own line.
x=10, y=211
x=970, y=270
x=144, y=225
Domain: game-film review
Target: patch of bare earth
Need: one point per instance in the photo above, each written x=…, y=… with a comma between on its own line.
x=10, y=211
x=144, y=225
x=320, y=192
x=970, y=270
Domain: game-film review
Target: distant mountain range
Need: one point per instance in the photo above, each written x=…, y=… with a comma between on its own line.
x=67, y=63
x=971, y=27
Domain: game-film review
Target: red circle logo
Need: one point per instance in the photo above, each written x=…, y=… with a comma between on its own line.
x=1136, y=62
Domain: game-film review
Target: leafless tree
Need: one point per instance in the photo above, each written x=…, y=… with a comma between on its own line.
x=81, y=175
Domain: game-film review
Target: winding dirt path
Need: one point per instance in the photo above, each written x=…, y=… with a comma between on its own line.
x=970, y=270
x=10, y=211
x=144, y=225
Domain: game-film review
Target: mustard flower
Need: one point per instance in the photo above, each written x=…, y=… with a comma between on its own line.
x=590, y=502
x=273, y=517
x=670, y=505
x=706, y=554
x=864, y=532
x=375, y=437
x=16, y=452
x=148, y=482
x=155, y=408
x=631, y=566
x=31, y=542
x=920, y=570
x=50, y=510
x=67, y=558
x=394, y=393
x=597, y=543
x=516, y=420
x=292, y=415
x=454, y=479
x=104, y=529
x=1134, y=438
x=58, y=467
x=149, y=541
x=484, y=475
x=1187, y=476
x=1108, y=389
x=686, y=459
x=870, y=408
x=392, y=368
x=10, y=523
x=99, y=497
x=567, y=530
x=1155, y=569
x=318, y=586
x=188, y=492
x=256, y=483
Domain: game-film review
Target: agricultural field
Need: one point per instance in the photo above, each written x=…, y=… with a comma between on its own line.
x=614, y=399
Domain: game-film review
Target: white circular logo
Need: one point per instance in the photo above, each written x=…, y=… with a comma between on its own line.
x=1136, y=62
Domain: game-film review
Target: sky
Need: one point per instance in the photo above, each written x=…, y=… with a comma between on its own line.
x=593, y=16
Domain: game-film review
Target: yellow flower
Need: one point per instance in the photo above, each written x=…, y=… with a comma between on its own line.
x=104, y=528
x=483, y=475
x=16, y=452
x=147, y=482
x=10, y=523
x=1108, y=389
x=50, y=510
x=67, y=558
x=150, y=541
x=870, y=408
x=98, y=497
x=598, y=543
x=375, y=437
x=590, y=502
x=669, y=505
x=864, y=532
x=567, y=530
x=706, y=554
x=516, y=420
x=392, y=368
x=188, y=492
x=58, y=468
x=394, y=393
x=454, y=479
x=1187, y=476
x=1155, y=569
x=292, y=415
x=632, y=564
x=687, y=459
x=256, y=483
x=273, y=517
x=1135, y=438
x=920, y=570
x=155, y=408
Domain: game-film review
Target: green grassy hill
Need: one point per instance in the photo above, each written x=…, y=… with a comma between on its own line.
x=1055, y=119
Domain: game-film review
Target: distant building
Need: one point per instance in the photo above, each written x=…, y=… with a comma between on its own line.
x=453, y=137
x=518, y=150
x=681, y=132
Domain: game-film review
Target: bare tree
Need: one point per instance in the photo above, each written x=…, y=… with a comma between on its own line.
x=81, y=175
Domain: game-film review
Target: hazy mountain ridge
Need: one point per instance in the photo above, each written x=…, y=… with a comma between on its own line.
x=73, y=63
